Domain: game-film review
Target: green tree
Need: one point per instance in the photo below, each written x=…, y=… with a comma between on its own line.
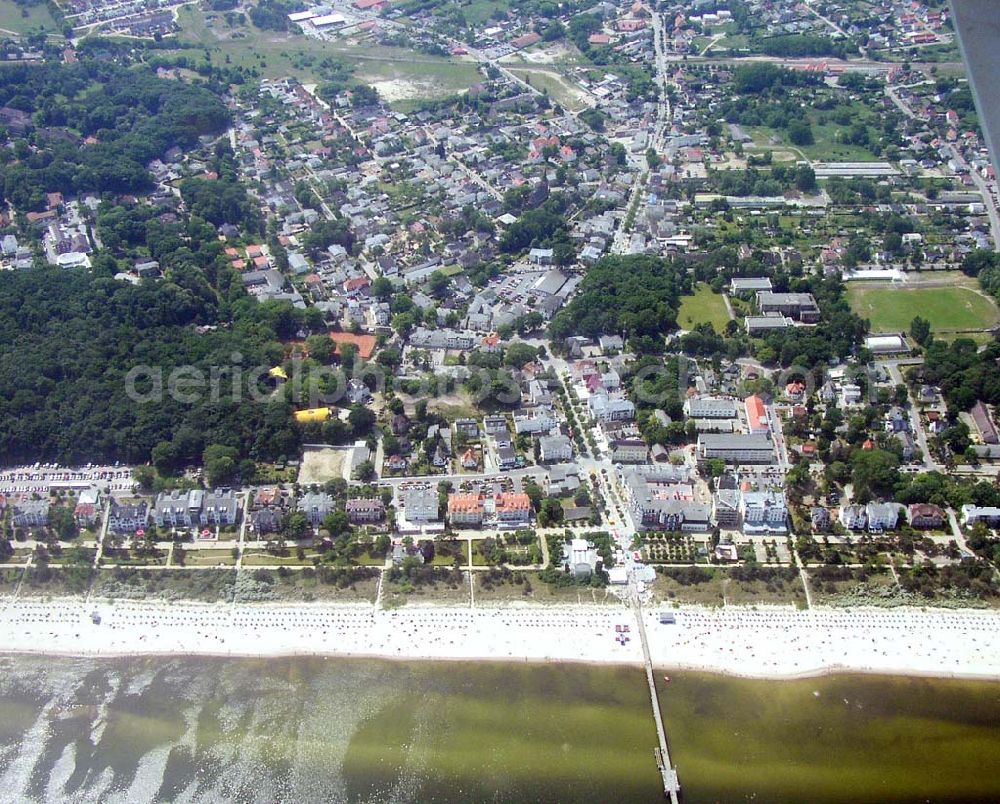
x=220, y=464
x=800, y=133
x=920, y=330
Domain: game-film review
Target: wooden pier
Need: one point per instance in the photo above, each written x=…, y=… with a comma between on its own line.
x=671, y=783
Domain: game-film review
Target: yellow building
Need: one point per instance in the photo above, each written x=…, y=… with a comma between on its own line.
x=312, y=415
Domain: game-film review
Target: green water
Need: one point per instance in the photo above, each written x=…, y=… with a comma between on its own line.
x=301, y=730
x=840, y=738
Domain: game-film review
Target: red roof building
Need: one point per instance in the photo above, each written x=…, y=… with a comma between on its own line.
x=756, y=414
x=511, y=507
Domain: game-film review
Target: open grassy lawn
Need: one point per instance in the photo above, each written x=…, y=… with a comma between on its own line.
x=562, y=90
x=207, y=558
x=401, y=76
x=825, y=148
x=26, y=19
x=979, y=338
x=477, y=12
x=260, y=558
x=704, y=307
x=947, y=308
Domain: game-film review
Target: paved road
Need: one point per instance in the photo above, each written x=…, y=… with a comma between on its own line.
x=915, y=426
x=989, y=199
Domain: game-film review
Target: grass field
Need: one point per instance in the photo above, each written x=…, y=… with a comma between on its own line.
x=401, y=76
x=947, y=308
x=704, y=307
x=560, y=89
x=477, y=12
x=209, y=557
x=825, y=148
x=26, y=19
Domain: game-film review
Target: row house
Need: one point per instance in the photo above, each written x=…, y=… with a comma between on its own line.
x=29, y=513
x=876, y=517
x=125, y=519
x=195, y=508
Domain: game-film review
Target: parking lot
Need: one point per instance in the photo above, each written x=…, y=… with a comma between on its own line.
x=47, y=478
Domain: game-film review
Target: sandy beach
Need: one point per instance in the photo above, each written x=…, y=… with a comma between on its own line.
x=758, y=642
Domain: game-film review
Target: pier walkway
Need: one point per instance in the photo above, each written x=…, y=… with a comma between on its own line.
x=671, y=783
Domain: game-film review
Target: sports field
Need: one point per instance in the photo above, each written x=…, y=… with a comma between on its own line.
x=704, y=307
x=892, y=308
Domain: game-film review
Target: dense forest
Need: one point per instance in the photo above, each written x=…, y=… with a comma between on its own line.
x=93, y=127
x=963, y=373
x=638, y=294
x=68, y=339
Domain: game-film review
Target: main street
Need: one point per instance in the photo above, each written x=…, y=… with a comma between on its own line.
x=661, y=126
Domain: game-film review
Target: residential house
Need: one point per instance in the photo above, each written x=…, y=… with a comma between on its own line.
x=971, y=514
x=984, y=423
x=925, y=515
x=757, y=419
x=605, y=408
x=495, y=424
x=896, y=421
x=29, y=513
x=421, y=505
x=563, y=480
x=512, y=508
x=268, y=510
x=882, y=516
x=555, y=448
x=88, y=508
x=195, y=508
x=726, y=508
x=628, y=450
x=853, y=517
x=820, y=519
x=125, y=519
x=316, y=506
x=764, y=512
x=506, y=458
x=219, y=507
x=535, y=423
x=365, y=510
x=466, y=510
